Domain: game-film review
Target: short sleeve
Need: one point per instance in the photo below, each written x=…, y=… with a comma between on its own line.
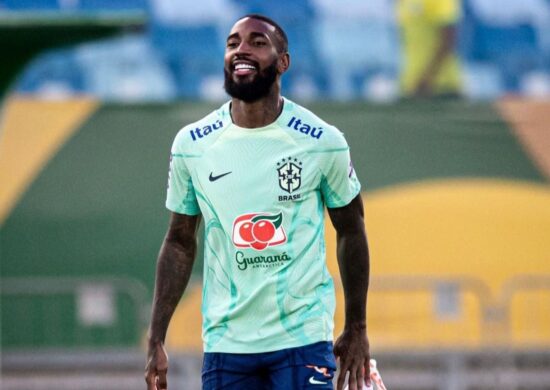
x=445, y=11
x=339, y=183
x=181, y=197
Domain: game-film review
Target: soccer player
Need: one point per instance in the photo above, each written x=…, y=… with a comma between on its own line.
x=431, y=66
x=260, y=170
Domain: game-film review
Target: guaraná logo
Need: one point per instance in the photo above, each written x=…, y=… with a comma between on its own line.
x=258, y=230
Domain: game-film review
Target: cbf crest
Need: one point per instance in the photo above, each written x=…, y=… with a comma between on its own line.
x=290, y=174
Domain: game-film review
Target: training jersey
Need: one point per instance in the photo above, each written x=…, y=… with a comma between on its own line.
x=261, y=193
x=421, y=22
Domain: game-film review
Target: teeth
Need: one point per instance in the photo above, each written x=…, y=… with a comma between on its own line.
x=244, y=66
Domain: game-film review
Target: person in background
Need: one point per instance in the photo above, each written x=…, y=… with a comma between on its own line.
x=430, y=65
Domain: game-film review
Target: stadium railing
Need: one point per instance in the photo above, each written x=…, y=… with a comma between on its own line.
x=73, y=311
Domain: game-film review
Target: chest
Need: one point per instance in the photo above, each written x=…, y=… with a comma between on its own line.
x=265, y=171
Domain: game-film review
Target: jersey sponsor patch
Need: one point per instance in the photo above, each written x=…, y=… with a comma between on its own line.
x=201, y=132
x=298, y=125
x=258, y=230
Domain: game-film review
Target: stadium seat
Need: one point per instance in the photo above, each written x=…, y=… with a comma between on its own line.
x=112, y=5
x=18, y=5
x=56, y=72
x=191, y=52
x=355, y=49
x=201, y=43
x=85, y=5
x=482, y=80
x=512, y=46
x=127, y=68
x=301, y=11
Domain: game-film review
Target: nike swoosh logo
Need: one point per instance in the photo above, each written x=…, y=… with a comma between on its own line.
x=314, y=381
x=214, y=178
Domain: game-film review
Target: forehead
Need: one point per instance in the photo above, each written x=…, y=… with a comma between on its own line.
x=248, y=26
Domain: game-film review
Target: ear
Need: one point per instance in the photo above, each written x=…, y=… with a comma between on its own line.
x=284, y=63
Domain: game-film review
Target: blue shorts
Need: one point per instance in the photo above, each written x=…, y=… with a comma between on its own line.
x=308, y=367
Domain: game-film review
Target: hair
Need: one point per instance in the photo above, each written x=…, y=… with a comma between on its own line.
x=279, y=32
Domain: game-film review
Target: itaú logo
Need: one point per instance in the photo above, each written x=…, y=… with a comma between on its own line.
x=258, y=230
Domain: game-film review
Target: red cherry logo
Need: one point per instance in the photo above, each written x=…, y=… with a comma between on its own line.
x=263, y=230
x=259, y=245
x=245, y=231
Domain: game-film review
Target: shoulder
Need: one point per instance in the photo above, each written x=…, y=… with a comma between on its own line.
x=194, y=137
x=306, y=126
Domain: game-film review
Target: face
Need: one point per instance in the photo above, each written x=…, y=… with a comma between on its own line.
x=252, y=62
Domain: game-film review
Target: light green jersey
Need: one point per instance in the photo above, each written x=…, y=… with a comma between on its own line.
x=262, y=194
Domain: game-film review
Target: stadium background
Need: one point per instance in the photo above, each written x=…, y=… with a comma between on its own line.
x=456, y=192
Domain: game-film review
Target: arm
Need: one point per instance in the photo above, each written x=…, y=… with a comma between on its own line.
x=174, y=266
x=352, y=347
x=445, y=48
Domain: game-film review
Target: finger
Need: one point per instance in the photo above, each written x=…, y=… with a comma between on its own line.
x=162, y=382
x=341, y=379
x=352, y=378
x=360, y=372
x=352, y=381
x=162, y=368
x=151, y=378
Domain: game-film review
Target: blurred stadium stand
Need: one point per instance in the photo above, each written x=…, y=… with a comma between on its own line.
x=340, y=50
x=511, y=40
x=73, y=5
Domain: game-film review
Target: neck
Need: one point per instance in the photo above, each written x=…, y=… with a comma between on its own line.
x=259, y=113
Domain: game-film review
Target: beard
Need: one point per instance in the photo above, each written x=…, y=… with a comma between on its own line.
x=251, y=91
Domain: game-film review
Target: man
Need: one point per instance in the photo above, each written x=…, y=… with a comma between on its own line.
x=260, y=170
x=428, y=29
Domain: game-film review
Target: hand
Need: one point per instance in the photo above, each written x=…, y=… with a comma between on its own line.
x=352, y=350
x=156, y=368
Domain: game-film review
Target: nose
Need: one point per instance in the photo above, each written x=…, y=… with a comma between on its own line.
x=243, y=48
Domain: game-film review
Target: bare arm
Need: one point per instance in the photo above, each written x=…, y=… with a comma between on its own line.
x=352, y=347
x=445, y=48
x=174, y=266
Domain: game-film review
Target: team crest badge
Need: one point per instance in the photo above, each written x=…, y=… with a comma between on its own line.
x=290, y=174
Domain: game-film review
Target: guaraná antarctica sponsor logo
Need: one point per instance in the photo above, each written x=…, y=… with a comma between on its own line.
x=258, y=230
x=244, y=262
x=290, y=177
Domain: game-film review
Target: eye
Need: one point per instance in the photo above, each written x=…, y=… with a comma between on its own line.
x=232, y=44
x=259, y=42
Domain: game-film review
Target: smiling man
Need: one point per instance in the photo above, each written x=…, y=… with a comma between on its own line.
x=260, y=171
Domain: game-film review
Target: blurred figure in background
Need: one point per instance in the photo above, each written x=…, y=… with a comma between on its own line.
x=430, y=64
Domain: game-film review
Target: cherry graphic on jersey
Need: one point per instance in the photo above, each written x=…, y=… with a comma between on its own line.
x=263, y=230
x=245, y=231
x=258, y=230
x=258, y=245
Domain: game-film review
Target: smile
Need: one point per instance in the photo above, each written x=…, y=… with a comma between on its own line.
x=243, y=69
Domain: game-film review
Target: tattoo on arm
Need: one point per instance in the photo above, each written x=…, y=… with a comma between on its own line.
x=174, y=266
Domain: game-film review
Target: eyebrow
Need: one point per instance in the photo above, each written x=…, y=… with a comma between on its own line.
x=253, y=34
